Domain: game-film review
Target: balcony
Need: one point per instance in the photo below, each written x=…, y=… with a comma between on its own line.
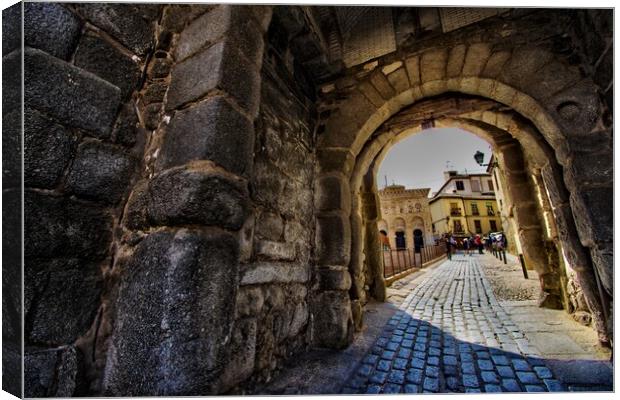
x=455, y=212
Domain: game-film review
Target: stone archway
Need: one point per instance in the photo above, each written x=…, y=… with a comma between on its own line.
x=522, y=79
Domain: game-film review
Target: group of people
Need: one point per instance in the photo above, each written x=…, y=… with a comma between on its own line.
x=469, y=245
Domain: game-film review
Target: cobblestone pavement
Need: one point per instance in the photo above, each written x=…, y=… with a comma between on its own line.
x=452, y=335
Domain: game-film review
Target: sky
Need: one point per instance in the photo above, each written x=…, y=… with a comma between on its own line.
x=420, y=160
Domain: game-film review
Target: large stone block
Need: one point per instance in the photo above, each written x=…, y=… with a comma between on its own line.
x=12, y=149
x=412, y=64
x=100, y=171
x=332, y=194
x=222, y=67
x=269, y=226
x=132, y=25
x=12, y=81
x=271, y=250
x=380, y=82
x=225, y=22
x=274, y=272
x=98, y=56
x=61, y=227
x=332, y=319
x=456, y=58
x=334, y=278
x=475, y=59
x=176, y=16
x=335, y=160
x=11, y=28
x=74, y=96
x=576, y=109
x=520, y=71
x=433, y=65
x=173, y=315
x=196, y=195
x=593, y=211
x=62, y=298
x=51, y=28
x=53, y=372
x=211, y=130
x=240, y=365
x=48, y=149
x=603, y=260
x=590, y=168
x=333, y=239
x=399, y=80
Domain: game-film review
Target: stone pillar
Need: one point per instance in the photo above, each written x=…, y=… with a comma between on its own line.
x=529, y=229
x=331, y=303
x=573, y=250
x=173, y=323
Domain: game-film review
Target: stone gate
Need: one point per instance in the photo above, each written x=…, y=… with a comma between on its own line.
x=200, y=200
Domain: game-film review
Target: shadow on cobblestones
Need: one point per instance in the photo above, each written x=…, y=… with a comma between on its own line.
x=451, y=336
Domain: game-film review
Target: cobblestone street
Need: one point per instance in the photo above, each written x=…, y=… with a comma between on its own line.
x=452, y=335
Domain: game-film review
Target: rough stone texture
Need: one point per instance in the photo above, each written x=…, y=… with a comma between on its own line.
x=11, y=28
x=132, y=25
x=48, y=149
x=69, y=94
x=211, y=130
x=12, y=82
x=12, y=149
x=333, y=321
x=332, y=194
x=222, y=67
x=234, y=23
x=61, y=227
x=100, y=171
x=52, y=373
x=96, y=55
x=62, y=298
x=195, y=194
x=270, y=272
x=52, y=28
x=174, y=302
x=333, y=239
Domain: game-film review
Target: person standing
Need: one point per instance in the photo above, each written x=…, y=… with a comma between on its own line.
x=449, y=247
x=466, y=246
x=478, y=243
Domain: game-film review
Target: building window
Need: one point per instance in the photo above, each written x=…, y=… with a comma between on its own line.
x=458, y=228
x=493, y=225
x=490, y=182
x=478, y=225
x=433, y=226
x=418, y=207
x=460, y=185
x=474, y=209
x=475, y=185
x=490, y=209
x=454, y=210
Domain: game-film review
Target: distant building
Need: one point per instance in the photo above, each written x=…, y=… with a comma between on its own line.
x=465, y=205
x=406, y=216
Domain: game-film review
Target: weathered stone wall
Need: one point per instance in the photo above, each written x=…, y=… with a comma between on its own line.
x=82, y=150
x=274, y=296
x=12, y=282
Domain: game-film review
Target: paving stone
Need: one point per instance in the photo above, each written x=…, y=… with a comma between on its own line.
x=528, y=377
x=432, y=371
x=414, y=376
x=466, y=357
x=365, y=370
x=410, y=388
x=470, y=380
x=396, y=376
x=419, y=354
x=418, y=363
x=492, y=388
x=451, y=351
x=370, y=359
x=392, y=388
x=433, y=361
x=373, y=389
x=521, y=365
x=349, y=390
x=543, y=372
x=384, y=365
x=485, y=365
x=378, y=378
x=392, y=346
x=433, y=351
x=489, y=377
x=450, y=370
x=511, y=385
x=404, y=353
x=452, y=383
x=431, y=384
x=500, y=360
x=388, y=355
x=483, y=355
x=470, y=390
x=449, y=360
x=400, y=363
x=534, y=388
x=407, y=343
x=505, y=371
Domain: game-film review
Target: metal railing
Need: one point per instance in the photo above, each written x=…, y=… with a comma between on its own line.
x=402, y=260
